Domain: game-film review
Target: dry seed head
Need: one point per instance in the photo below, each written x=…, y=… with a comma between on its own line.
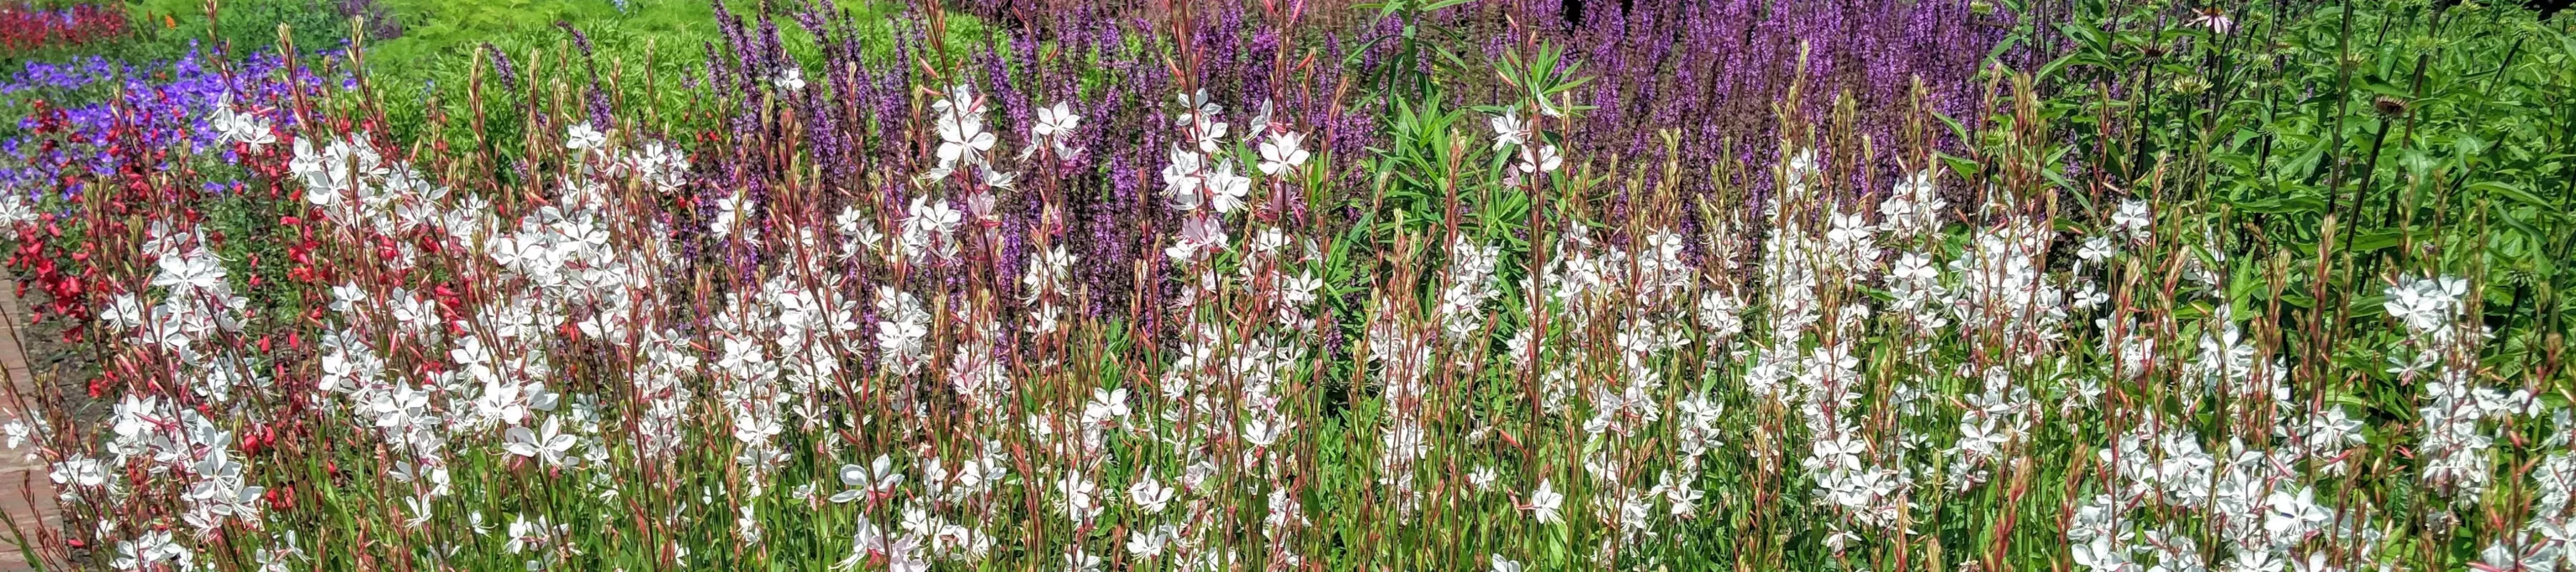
x=2389, y=105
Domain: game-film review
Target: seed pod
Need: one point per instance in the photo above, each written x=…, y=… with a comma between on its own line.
x=2389, y=105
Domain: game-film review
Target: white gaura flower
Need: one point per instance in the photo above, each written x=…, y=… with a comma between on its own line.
x=1055, y=125
x=582, y=136
x=149, y=550
x=1842, y=452
x=1847, y=229
x=1081, y=498
x=1916, y=267
x=280, y=555
x=1105, y=406
x=928, y=224
x=1148, y=542
x=878, y=478
x=1501, y=564
x=1263, y=432
x=905, y=556
x=1149, y=494
x=993, y=179
x=1284, y=151
x=853, y=476
x=960, y=100
x=17, y=431
x=1182, y=179
x=2424, y=305
x=79, y=472
x=1076, y=560
x=1198, y=114
x=549, y=444
x=525, y=535
x=235, y=126
x=1226, y=189
x=790, y=79
x=1979, y=435
x=2133, y=217
x=1543, y=159
x=2294, y=513
x=962, y=138
x=1509, y=129
x=2096, y=249
x=1546, y=504
x=1056, y=120
x=197, y=270
x=399, y=407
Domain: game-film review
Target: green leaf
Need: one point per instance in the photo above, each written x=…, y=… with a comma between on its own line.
x=2512, y=191
x=2375, y=240
x=2301, y=204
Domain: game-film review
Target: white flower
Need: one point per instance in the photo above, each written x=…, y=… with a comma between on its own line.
x=1105, y=406
x=151, y=549
x=927, y=226
x=1227, y=189
x=962, y=138
x=1509, y=129
x=1054, y=128
x=1483, y=477
x=18, y=432
x=1282, y=152
x=1540, y=160
x=549, y=444
x=982, y=201
x=790, y=79
x=1981, y=436
x=852, y=476
x=196, y=270
x=1056, y=120
x=2097, y=249
x=1847, y=229
x=1148, y=542
x=1076, y=560
x=1545, y=503
x=581, y=136
x=525, y=535
x=1915, y=267
x=1501, y=564
x=236, y=127
x=1199, y=116
x=279, y=556
x=1262, y=432
x=79, y=472
x=2426, y=305
x=2133, y=217
x=1149, y=494
x=2294, y=513
x=1181, y=180
x=1081, y=498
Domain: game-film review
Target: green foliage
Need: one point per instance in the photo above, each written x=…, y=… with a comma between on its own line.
x=169, y=28
x=2433, y=134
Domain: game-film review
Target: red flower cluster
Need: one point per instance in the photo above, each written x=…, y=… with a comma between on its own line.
x=39, y=247
x=24, y=27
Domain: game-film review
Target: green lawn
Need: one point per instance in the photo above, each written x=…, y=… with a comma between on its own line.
x=433, y=57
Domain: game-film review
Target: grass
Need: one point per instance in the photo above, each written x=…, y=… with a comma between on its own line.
x=433, y=57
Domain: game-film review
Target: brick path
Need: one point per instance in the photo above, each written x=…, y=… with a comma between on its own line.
x=26, y=494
